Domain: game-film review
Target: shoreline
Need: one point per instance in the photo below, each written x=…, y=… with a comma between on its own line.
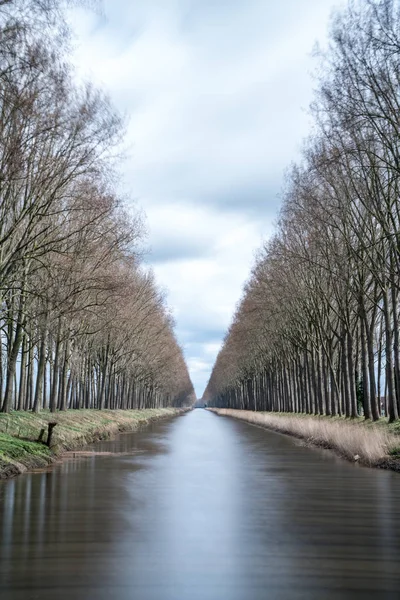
x=372, y=445
x=20, y=451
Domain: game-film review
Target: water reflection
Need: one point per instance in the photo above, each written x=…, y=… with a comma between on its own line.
x=203, y=508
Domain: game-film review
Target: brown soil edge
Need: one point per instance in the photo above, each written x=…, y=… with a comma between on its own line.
x=389, y=463
x=32, y=463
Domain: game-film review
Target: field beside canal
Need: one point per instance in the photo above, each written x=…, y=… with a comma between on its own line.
x=20, y=431
x=358, y=440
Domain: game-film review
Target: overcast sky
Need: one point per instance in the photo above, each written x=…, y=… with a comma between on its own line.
x=216, y=92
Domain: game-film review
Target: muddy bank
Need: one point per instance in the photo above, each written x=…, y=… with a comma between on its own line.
x=19, y=432
x=372, y=445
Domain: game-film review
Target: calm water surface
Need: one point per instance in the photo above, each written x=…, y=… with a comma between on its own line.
x=202, y=508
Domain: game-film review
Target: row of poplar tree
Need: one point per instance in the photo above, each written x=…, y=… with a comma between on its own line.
x=317, y=330
x=82, y=323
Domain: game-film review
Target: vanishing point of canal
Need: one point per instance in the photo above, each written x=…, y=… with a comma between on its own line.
x=201, y=507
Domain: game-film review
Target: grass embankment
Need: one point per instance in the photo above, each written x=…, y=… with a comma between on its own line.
x=19, y=450
x=371, y=444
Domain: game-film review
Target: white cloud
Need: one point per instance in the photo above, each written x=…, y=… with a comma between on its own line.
x=215, y=92
x=204, y=290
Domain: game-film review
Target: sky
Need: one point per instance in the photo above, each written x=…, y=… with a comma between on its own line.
x=215, y=93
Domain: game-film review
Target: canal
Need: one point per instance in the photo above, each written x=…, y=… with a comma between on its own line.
x=201, y=507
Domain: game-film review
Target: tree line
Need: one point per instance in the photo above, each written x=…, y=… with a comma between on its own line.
x=82, y=323
x=317, y=329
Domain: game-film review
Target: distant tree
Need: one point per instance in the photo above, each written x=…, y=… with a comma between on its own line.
x=320, y=313
x=81, y=324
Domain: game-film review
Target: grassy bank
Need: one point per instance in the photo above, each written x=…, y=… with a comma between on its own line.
x=370, y=444
x=19, y=450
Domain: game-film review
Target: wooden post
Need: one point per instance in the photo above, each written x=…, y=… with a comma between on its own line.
x=41, y=434
x=50, y=432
